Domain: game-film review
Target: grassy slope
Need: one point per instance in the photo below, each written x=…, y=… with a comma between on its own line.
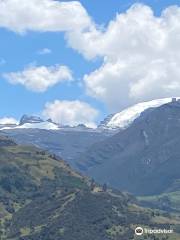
x=42, y=198
x=167, y=201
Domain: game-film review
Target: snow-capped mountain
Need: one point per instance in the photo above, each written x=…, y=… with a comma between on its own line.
x=31, y=122
x=144, y=158
x=36, y=122
x=42, y=125
x=115, y=121
x=103, y=123
x=30, y=119
x=124, y=118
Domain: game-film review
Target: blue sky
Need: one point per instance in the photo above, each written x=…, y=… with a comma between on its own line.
x=19, y=51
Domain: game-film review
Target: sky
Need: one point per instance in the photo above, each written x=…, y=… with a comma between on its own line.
x=76, y=62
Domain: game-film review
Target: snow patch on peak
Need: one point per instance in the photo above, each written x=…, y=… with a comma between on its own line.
x=124, y=118
x=30, y=122
x=40, y=125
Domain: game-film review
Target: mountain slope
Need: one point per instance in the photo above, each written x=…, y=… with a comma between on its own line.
x=124, y=118
x=67, y=143
x=144, y=158
x=42, y=198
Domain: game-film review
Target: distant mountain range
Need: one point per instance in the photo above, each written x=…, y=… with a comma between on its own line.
x=135, y=150
x=140, y=156
x=115, y=121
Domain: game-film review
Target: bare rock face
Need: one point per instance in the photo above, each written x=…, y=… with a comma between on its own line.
x=30, y=119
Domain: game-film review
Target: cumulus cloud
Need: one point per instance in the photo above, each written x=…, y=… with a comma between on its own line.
x=8, y=120
x=141, y=58
x=40, y=78
x=140, y=53
x=45, y=15
x=71, y=113
x=44, y=51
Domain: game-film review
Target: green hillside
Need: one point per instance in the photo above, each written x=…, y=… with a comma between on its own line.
x=41, y=198
x=169, y=201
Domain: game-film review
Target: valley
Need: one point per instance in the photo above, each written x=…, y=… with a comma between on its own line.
x=41, y=197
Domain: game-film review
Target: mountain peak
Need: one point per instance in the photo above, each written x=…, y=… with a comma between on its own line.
x=30, y=119
x=142, y=159
x=124, y=118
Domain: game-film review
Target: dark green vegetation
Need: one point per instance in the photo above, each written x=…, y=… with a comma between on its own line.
x=169, y=202
x=68, y=143
x=144, y=159
x=41, y=198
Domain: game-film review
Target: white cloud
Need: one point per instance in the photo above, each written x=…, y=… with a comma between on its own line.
x=71, y=113
x=44, y=15
x=8, y=120
x=39, y=79
x=44, y=51
x=140, y=53
x=141, y=58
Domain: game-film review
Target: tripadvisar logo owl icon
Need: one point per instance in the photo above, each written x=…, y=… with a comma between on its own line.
x=139, y=231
